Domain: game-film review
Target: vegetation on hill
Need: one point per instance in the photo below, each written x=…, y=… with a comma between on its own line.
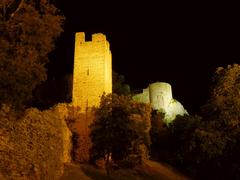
x=206, y=146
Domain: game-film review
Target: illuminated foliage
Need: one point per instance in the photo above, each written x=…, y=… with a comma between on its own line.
x=223, y=106
x=221, y=114
x=27, y=34
x=220, y=135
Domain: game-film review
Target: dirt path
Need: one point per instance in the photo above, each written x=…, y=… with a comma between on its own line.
x=164, y=171
x=150, y=170
x=74, y=172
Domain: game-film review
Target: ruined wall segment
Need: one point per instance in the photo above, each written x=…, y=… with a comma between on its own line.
x=142, y=97
x=92, y=74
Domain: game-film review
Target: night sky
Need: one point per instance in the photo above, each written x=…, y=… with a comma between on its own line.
x=179, y=43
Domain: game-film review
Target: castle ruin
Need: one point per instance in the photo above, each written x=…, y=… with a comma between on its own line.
x=92, y=77
x=92, y=73
x=159, y=95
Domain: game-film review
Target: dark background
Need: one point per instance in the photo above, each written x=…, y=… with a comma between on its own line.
x=178, y=43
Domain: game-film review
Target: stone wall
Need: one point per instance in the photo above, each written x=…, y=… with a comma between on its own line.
x=35, y=145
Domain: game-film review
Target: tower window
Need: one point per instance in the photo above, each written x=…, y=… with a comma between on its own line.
x=88, y=72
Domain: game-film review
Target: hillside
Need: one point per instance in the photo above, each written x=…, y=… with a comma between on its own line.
x=150, y=170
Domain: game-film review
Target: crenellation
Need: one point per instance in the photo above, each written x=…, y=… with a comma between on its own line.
x=80, y=38
x=99, y=37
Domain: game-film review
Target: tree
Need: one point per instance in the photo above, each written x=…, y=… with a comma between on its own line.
x=159, y=134
x=28, y=30
x=220, y=135
x=120, y=129
x=222, y=113
x=223, y=107
x=183, y=130
x=119, y=85
x=208, y=146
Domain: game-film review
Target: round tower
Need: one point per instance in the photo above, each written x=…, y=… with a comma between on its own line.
x=160, y=95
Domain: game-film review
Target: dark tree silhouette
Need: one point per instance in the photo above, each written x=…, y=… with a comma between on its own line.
x=210, y=145
x=119, y=85
x=28, y=30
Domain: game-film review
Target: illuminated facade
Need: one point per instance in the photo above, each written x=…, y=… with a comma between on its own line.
x=92, y=74
x=159, y=94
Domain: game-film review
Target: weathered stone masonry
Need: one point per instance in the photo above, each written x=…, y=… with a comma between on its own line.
x=92, y=74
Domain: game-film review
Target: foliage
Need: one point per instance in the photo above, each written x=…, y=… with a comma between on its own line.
x=159, y=134
x=183, y=126
x=219, y=138
x=222, y=113
x=120, y=129
x=210, y=145
x=119, y=85
x=223, y=108
x=184, y=148
x=28, y=30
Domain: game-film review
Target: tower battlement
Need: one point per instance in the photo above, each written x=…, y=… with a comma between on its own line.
x=92, y=74
x=98, y=37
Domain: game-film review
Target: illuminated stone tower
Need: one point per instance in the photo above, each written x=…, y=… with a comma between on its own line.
x=92, y=74
x=159, y=95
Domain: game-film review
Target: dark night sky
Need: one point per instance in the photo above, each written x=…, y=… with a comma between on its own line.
x=180, y=43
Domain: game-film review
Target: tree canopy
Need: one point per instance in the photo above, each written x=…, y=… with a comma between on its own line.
x=210, y=144
x=222, y=113
x=121, y=128
x=223, y=106
x=28, y=30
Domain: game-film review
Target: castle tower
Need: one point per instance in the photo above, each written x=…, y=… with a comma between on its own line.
x=92, y=74
x=160, y=95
